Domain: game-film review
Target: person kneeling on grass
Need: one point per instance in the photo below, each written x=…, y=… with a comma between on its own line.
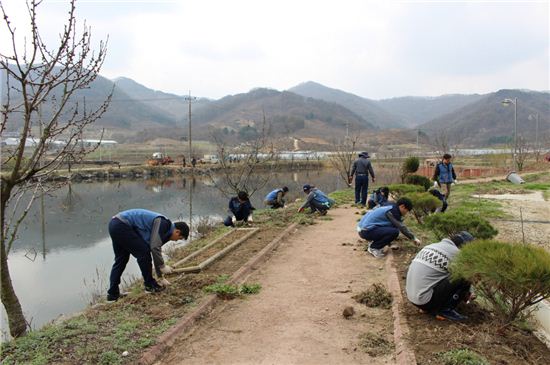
x=141, y=233
x=316, y=200
x=240, y=209
x=383, y=224
x=428, y=285
x=275, y=198
x=439, y=195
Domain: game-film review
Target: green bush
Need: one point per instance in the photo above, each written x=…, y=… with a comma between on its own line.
x=399, y=190
x=450, y=223
x=418, y=180
x=512, y=277
x=423, y=205
x=410, y=166
x=462, y=357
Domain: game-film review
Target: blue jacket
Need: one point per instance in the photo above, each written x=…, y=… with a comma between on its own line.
x=445, y=174
x=378, y=198
x=142, y=221
x=273, y=195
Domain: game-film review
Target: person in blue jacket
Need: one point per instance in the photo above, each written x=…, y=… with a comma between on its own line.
x=240, y=209
x=444, y=174
x=316, y=200
x=379, y=197
x=141, y=233
x=275, y=199
x=383, y=224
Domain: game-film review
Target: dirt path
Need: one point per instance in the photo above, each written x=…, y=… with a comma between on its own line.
x=297, y=316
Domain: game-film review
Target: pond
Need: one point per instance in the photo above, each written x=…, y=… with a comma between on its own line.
x=56, y=271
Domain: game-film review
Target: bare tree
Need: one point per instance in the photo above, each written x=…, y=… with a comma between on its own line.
x=239, y=166
x=522, y=152
x=441, y=141
x=342, y=159
x=37, y=77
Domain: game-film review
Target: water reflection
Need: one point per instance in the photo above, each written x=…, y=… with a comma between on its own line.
x=71, y=231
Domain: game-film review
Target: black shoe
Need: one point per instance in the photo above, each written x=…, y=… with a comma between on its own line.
x=154, y=289
x=111, y=298
x=322, y=212
x=450, y=314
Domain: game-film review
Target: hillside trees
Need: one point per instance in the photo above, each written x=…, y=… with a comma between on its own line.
x=37, y=75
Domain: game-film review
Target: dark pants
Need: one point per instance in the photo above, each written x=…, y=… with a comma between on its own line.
x=316, y=206
x=241, y=215
x=380, y=236
x=128, y=242
x=274, y=204
x=446, y=295
x=361, y=188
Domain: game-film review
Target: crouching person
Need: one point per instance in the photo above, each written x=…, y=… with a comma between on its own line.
x=316, y=200
x=379, y=197
x=428, y=285
x=383, y=224
x=240, y=209
x=141, y=233
x=275, y=199
x=439, y=195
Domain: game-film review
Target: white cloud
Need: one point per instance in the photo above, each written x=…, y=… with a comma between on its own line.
x=374, y=49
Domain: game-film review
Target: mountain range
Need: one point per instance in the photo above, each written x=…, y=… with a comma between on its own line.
x=314, y=112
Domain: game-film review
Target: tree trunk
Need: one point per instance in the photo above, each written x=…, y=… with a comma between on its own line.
x=16, y=319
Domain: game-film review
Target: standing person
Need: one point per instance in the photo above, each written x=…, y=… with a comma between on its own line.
x=444, y=174
x=193, y=161
x=379, y=197
x=240, y=209
x=316, y=200
x=428, y=285
x=275, y=199
x=362, y=167
x=141, y=233
x=383, y=224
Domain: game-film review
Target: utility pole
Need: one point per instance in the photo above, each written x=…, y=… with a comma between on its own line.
x=190, y=99
x=417, y=136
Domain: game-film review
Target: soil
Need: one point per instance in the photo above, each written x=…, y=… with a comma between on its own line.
x=298, y=316
x=514, y=346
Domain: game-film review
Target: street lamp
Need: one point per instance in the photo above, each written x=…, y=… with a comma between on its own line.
x=507, y=102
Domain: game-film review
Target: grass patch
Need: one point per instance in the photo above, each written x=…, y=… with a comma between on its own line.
x=230, y=291
x=462, y=357
x=375, y=345
x=376, y=296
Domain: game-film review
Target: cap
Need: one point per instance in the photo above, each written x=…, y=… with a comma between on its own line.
x=285, y=189
x=461, y=238
x=307, y=187
x=364, y=154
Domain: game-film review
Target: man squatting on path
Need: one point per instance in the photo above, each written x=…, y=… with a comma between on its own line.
x=316, y=200
x=428, y=285
x=275, y=199
x=444, y=174
x=361, y=168
x=140, y=233
x=383, y=224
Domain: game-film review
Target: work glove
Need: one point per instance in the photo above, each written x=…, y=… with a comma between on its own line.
x=455, y=181
x=436, y=185
x=300, y=210
x=417, y=241
x=350, y=179
x=166, y=269
x=234, y=220
x=164, y=282
x=250, y=220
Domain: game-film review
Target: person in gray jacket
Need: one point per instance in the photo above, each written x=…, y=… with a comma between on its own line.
x=361, y=169
x=428, y=286
x=316, y=200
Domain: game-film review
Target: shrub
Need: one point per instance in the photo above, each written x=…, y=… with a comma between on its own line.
x=462, y=357
x=399, y=190
x=448, y=224
x=423, y=205
x=418, y=180
x=512, y=277
x=410, y=166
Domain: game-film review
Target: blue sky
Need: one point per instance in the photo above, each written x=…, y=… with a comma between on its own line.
x=375, y=49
